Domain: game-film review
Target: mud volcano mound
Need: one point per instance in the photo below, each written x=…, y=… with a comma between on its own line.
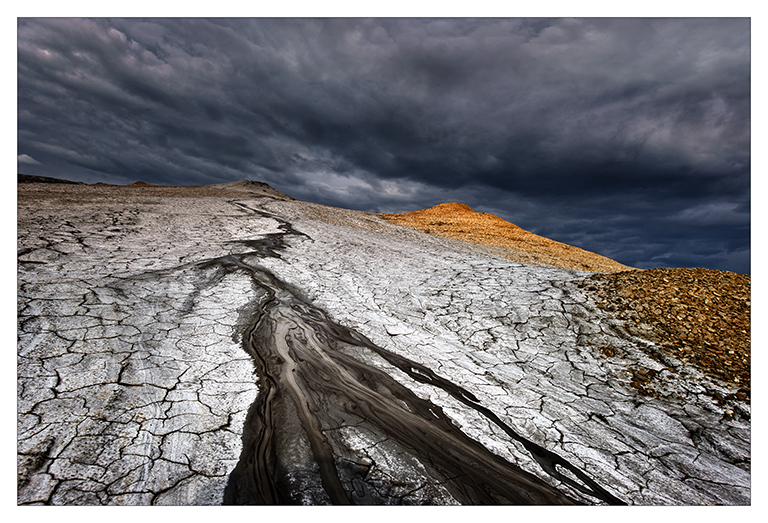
x=459, y=221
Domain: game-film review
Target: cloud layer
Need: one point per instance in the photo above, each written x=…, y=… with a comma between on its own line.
x=628, y=137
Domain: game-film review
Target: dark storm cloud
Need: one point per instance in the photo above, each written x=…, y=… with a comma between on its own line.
x=629, y=137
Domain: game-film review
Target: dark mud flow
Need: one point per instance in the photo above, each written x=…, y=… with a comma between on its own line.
x=313, y=383
x=321, y=409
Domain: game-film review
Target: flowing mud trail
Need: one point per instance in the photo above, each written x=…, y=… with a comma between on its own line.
x=312, y=382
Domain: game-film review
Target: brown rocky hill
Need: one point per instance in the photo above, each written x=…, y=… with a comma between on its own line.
x=459, y=221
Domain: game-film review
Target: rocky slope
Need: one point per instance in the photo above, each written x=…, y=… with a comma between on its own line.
x=699, y=315
x=228, y=344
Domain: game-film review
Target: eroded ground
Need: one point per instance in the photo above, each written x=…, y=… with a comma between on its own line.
x=182, y=346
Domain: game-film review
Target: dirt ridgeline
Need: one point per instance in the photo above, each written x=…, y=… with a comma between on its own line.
x=39, y=187
x=459, y=221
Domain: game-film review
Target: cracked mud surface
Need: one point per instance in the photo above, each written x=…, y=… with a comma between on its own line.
x=232, y=345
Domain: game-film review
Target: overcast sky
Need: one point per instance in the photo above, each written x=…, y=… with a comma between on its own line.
x=627, y=137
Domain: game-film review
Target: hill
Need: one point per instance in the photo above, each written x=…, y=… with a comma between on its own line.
x=457, y=220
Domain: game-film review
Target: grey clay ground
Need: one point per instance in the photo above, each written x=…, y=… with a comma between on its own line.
x=134, y=382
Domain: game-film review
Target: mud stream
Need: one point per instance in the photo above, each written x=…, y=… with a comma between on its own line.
x=317, y=391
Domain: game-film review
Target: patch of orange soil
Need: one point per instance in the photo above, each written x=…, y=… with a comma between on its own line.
x=459, y=221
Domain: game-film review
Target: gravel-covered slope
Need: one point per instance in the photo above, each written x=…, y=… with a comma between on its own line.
x=699, y=315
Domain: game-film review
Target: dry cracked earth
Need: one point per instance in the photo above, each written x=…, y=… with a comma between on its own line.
x=230, y=345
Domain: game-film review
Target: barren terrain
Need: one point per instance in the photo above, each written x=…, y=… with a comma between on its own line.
x=229, y=344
